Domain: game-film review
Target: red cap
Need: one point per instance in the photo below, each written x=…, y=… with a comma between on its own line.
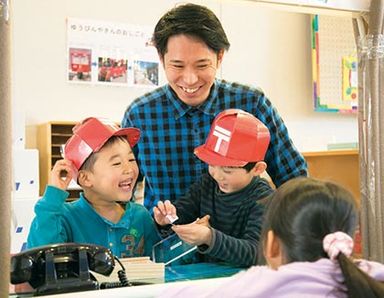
x=235, y=139
x=91, y=134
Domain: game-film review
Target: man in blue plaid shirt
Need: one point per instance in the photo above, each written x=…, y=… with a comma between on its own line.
x=176, y=118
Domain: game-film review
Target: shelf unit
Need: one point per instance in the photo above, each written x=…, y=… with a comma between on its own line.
x=50, y=137
x=340, y=166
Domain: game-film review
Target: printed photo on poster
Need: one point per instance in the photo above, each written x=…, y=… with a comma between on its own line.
x=79, y=64
x=112, y=70
x=146, y=73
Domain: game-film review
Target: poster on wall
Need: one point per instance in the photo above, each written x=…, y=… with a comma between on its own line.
x=109, y=53
x=334, y=65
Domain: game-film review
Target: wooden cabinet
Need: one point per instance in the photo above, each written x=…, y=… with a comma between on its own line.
x=50, y=137
x=340, y=166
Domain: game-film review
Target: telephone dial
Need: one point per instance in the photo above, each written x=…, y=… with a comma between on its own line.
x=63, y=267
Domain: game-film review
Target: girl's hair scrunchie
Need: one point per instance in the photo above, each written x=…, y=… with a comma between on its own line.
x=337, y=242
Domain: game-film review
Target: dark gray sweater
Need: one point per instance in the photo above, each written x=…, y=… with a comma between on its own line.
x=235, y=218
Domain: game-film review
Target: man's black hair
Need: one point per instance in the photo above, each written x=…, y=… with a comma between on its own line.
x=193, y=20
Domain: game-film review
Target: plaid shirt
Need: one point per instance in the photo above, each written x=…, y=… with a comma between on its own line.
x=170, y=130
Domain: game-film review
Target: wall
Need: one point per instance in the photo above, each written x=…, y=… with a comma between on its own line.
x=272, y=49
x=269, y=49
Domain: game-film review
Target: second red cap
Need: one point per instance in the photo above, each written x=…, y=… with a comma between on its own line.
x=235, y=139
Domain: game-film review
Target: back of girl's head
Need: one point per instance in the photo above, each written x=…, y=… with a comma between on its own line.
x=303, y=211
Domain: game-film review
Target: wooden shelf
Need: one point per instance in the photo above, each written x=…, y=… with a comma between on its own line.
x=61, y=134
x=51, y=136
x=331, y=153
x=340, y=166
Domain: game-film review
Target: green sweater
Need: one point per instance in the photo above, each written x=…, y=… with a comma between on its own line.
x=57, y=222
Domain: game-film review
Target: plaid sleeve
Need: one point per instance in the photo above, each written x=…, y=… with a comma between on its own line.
x=283, y=160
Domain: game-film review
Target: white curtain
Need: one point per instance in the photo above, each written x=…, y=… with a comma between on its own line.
x=370, y=41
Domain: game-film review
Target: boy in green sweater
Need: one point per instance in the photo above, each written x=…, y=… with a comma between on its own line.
x=99, y=157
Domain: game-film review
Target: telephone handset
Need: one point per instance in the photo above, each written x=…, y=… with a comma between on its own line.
x=60, y=268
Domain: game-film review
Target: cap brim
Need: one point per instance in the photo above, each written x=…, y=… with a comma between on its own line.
x=215, y=159
x=132, y=134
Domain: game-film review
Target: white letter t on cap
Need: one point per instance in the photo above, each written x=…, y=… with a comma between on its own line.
x=222, y=134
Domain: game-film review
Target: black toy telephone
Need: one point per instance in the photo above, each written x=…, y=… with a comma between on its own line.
x=60, y=268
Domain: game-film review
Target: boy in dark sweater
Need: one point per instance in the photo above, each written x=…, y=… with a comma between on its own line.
x=221, y=213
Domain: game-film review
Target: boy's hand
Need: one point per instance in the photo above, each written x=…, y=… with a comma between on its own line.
x=162, y=210
x=61, y=174
x=194, y=233
x=204, y=220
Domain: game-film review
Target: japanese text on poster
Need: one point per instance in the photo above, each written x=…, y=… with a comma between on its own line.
x=111, y=53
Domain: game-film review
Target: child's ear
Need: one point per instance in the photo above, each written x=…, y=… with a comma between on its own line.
x=259, y=168
x=84, y=179
x=273, y=250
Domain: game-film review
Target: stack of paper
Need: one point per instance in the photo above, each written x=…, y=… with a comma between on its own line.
x=140, y=269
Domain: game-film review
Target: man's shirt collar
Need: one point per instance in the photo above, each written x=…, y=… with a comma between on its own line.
x=181, y=108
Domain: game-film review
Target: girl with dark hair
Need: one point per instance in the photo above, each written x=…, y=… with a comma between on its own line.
x=307, y=243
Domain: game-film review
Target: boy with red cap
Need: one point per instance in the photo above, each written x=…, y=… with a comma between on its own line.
x=99, y=157
x=222, y=213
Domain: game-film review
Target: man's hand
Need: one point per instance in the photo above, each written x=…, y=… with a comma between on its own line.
x=163, y=210
x=61, y=174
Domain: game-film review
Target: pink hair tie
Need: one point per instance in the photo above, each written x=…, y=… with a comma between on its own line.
x=336, y=243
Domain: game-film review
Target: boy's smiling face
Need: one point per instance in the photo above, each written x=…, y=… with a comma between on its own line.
x=113, y=175
x=231, y=179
